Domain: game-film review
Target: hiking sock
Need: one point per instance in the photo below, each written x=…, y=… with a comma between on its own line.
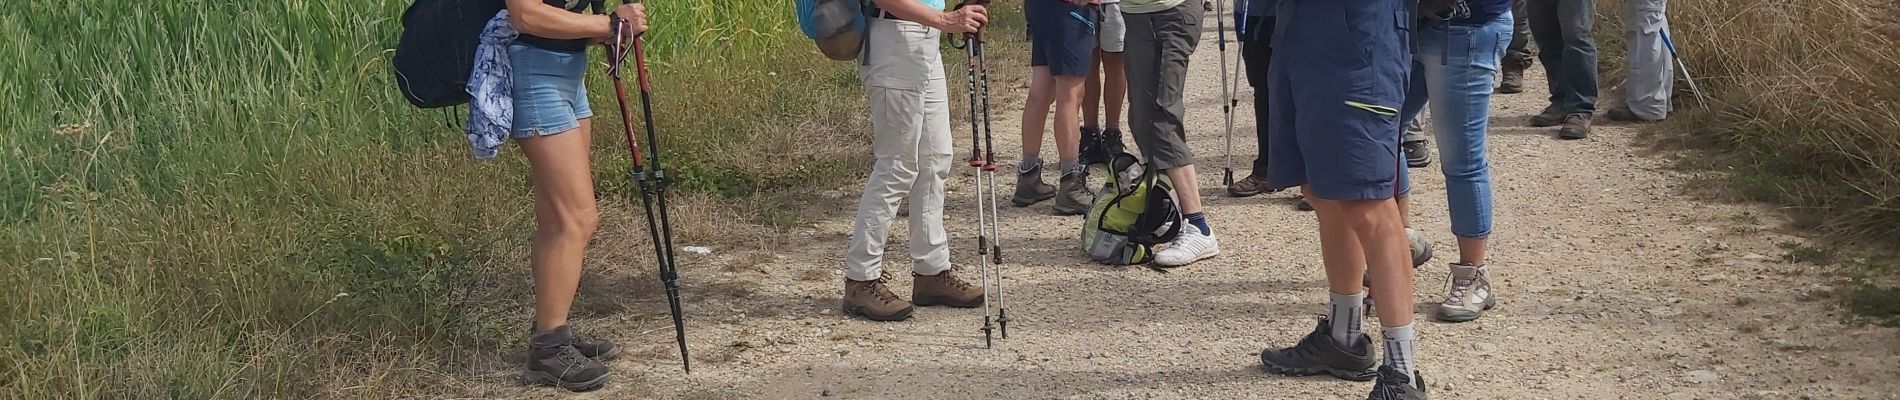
x=1030, y=163
x=1398, y=349
x=1199, y=220
x=1347, y=315
x=551, y=338
x=1070, y=167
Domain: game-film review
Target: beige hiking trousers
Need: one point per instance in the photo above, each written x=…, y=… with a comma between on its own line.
x=903, y=77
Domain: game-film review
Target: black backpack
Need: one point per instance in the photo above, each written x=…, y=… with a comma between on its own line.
x=437, y=49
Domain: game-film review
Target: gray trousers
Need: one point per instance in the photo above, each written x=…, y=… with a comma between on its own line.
x=1651, y=72
x=910, y=116
x=1562, y=31
x=1518, y=57
x=1158, y=45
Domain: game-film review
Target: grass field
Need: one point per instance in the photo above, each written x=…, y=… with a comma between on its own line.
x=1804, y=112
x=208, y=199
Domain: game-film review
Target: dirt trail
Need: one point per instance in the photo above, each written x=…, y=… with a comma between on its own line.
x=1613, y=284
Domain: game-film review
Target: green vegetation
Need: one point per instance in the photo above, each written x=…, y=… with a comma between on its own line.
x=206, y=199
x=1804, y=112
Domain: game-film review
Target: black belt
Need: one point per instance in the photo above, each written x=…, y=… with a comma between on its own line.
x=881, y=14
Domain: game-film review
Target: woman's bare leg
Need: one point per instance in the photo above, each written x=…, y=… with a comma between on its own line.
x=565, y=218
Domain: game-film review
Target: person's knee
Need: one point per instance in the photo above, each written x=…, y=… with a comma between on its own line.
x=576, y=223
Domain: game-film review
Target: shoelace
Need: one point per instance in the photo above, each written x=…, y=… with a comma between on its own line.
x=882, y=293
x=955, y=283
x=1458, y=289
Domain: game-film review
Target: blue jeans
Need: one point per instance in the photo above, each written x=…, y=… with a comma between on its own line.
x=1453, y=68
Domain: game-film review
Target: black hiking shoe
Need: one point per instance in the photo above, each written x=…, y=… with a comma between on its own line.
x=597, y=349
x=1112, y=142
x=1318, y=354
x=1092, y=150
x=1416, y=156
x=1395, y=385
x=552, y=361
x=1304, y=206
x=1576, y=126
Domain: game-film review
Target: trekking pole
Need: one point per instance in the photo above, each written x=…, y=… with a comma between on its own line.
x=1227, y=93
x=976, y=161
x=983, y=160
x=650, y=178
x=989, y=170
x=1699, y=100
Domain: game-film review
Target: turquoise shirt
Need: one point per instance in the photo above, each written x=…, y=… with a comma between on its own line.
x=937, y=4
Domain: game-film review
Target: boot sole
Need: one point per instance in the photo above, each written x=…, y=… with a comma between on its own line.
x=1355, y=376
x=1062, y=210
x=1510, y=91
x=1467, y=317
x=899, y=316
x=1571, y=136
x=1025, y=202
x=1216, y=253
x=1539, y=123
x=609, y=355
x=934, y=303
x=547, y=379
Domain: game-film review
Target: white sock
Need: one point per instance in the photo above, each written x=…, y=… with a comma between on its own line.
x=1347, y=315
x=1398, y=349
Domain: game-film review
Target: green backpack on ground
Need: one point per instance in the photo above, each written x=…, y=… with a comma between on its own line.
x=1134, y=212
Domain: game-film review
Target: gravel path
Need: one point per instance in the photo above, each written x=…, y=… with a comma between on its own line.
x=1613, y=283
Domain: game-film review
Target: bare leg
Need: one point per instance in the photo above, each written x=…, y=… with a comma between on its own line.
x=1186, y=188
x=1068, y=99
x=1114, y=88
x=1036, y=114
x=1471, y=251
x=1092, y=92
x=565, y=218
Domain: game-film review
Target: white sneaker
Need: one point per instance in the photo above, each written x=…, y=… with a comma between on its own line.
x=1191, y=246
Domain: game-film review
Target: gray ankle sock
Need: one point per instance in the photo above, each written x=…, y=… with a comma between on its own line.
x=1347, y=315
x=1070, y=167
x=1030, y=164
x=551, y=338
x=1398, y=348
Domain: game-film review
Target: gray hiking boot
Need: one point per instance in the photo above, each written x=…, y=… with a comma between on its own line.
x=1073, y=197
x=1513, y=81
x=1576, y=126
x=1552, y=116
x=1416, y=155
x=1396, y=385
x=1318, y=354
x=1030, y=189
x=1470, y=294
x=553, y=361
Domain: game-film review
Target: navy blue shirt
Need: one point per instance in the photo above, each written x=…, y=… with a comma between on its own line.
x=1482, y=12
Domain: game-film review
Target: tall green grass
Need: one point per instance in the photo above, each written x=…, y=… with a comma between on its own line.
x=214, y=199
x=1804, y=105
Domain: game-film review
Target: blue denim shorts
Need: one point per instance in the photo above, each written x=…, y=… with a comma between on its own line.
x=1337, y=80
x=550, y=91
x=1061, y=36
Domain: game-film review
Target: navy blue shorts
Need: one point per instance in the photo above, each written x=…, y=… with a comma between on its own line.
x=1338, y=77
x=1061, y=36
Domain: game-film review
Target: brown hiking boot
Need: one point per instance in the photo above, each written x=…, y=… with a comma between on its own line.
x=1550, y=117
x=553, y=361
x=1030, y=189
x=1253, y=184
x=1576, y=126
x=1513, y=81
x=1073, y=197
x=945, y=289
x=874, y=301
